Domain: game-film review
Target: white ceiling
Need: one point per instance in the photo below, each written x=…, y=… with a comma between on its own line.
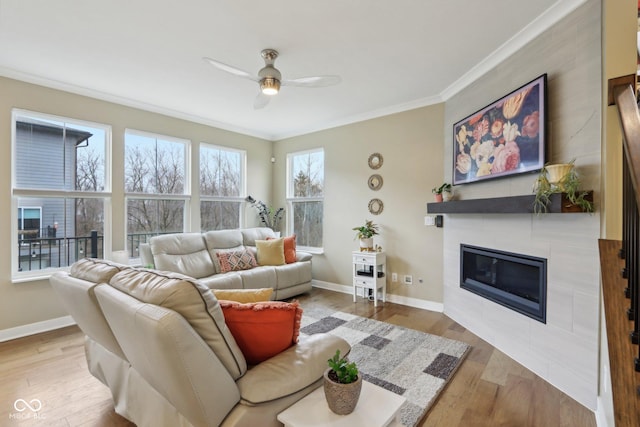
x=391, y=55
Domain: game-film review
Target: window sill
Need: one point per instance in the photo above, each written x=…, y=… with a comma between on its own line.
x=312, y=251
x=34, y=277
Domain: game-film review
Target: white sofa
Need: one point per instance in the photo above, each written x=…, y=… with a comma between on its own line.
x=194, y=254
x=159, y=341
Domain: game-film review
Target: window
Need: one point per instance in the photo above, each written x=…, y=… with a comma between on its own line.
x=156, y=186
x=222, y=188
x=60, y=183
x=305, y=196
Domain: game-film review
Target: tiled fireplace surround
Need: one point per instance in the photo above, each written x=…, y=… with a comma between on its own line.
x=565, y=350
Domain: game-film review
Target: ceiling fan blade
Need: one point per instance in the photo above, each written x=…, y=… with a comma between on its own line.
x=316, y=81
x=261, y=101
x=231, y=69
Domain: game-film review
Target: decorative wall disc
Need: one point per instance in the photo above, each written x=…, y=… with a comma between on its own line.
x=375, y=182
x=376, y=206
x=375, y=161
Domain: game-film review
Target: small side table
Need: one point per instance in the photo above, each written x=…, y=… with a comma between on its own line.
x=376, y=407
x=369, y=272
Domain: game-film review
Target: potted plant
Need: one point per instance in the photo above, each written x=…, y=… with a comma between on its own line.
x=444, y=191
x=365, y=233
x=342, y=384
x=269, y=216
x=560, y=178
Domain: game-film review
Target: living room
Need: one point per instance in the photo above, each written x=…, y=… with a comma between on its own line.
x=416, y=146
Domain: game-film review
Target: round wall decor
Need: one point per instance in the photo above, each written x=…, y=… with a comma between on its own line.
x=376, y=206
x=375, y=160
x=375, y=182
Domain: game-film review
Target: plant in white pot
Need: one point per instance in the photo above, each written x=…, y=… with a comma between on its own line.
x=342, y=384
x=365, y=233
x=442, y=193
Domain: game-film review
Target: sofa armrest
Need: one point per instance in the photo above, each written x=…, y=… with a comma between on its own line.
x=303, y=256
x=290, y=371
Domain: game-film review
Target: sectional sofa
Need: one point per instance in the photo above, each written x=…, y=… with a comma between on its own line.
x=161, y=343
x=198, y=255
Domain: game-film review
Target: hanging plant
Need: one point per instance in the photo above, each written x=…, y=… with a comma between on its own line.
x=568, y=183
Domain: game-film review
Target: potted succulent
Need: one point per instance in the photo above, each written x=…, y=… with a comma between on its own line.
x=342, y=384
x=560, y=178
x=442, y=192
x=365, y=233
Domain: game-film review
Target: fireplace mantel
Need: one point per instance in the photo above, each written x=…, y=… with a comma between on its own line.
x=512, y=204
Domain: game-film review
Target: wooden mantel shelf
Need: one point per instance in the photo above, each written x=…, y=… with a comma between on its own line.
x=511, y=204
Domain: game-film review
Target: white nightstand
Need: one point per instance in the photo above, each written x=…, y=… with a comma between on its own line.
x=370, y=272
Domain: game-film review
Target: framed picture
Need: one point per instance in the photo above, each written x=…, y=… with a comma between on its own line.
x=504, y=138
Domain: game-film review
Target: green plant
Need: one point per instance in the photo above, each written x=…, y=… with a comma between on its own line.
x=345, y=372
x=443, y=188
x=269, y=216
x=366, y=231
x=569, y=184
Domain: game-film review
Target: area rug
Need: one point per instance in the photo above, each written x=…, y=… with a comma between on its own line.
x=410, y=363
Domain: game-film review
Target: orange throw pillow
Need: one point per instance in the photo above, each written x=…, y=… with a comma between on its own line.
x=262, y=329
x=289, y=249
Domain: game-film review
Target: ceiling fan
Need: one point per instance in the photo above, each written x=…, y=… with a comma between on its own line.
x=270, y=78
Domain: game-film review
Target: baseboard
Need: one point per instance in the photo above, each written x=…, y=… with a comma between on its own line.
x=35, y=328
x=396, y=299
x=601, y=416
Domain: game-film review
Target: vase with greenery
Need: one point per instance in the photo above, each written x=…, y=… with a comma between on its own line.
x=269, y=217
x=566, y=180
x=342, y=384
x=365, y=233
x=442, y=191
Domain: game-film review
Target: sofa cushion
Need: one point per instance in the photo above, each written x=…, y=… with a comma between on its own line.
x=290, y=371
x=95, y=270
x=250, y=235
x=260, y=277
x=244, y=295
x=270, y=252
x=262, y=329
x=290, y=255
x=191, y=299
x=236, y=260
x=223, y=239
x=231, y=280
x=184, y=253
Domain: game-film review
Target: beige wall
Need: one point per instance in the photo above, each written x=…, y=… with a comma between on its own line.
x=26, y=303
x=411, y=145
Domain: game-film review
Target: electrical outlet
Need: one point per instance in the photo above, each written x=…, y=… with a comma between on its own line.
x=408, y=279
x=394, y=277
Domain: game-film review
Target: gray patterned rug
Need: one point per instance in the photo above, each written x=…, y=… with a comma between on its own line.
x=410, y=363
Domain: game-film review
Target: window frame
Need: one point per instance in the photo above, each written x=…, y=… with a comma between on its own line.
x=46, y=193
x=291, y=199
x=186, y=196
x=243, y=184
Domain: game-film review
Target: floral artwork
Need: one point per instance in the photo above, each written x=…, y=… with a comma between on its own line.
x=504, y=138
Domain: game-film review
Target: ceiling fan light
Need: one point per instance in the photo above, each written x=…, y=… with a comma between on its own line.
x=270, y=85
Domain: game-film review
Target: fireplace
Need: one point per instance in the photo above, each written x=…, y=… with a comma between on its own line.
x=516, y=281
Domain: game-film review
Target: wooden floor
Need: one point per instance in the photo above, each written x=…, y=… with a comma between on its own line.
x=489, y=388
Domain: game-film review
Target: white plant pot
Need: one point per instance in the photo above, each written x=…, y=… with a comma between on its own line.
x=366, y=245
x=447, y=195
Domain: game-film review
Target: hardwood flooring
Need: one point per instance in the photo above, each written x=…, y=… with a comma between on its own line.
x=489, y=389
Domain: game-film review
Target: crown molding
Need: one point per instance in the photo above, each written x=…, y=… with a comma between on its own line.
x=550, y=17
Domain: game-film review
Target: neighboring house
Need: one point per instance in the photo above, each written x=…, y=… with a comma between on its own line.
x=44, y=222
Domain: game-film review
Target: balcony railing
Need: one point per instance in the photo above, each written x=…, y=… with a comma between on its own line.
x=37, y=253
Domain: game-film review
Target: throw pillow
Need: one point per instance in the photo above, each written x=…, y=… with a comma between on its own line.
x=244, y=295
x=236, y=261
x=289, y=248
x=270, y=252
x=262, y=329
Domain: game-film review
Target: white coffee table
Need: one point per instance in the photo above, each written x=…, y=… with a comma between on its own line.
x=376, y=407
